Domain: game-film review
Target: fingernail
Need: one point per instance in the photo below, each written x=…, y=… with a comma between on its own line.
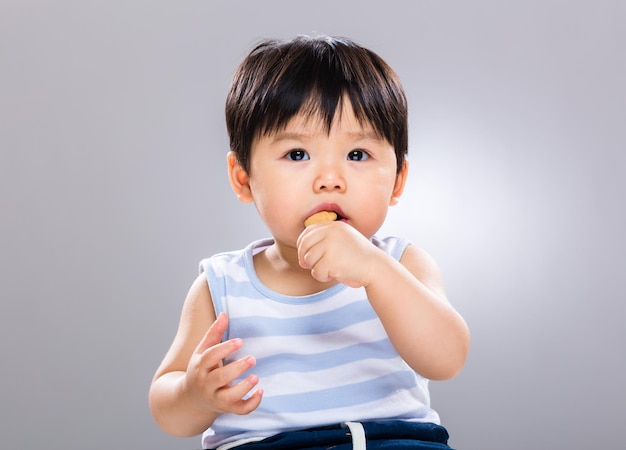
x=250, y=360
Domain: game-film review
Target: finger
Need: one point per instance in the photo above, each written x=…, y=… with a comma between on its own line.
x=213, y=356
x=307, y=243
x=234, y=397
x=300, y=240
x=250, y=404
x=313, y=255
x=230, y=372
x=214, y=334
x=321, y=273
x=311, y=233
x=233, y=393
x=308, y=259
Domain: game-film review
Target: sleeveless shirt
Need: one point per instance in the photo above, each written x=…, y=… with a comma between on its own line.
x=321, y=359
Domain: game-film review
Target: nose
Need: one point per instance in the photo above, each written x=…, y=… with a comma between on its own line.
x=329, y=179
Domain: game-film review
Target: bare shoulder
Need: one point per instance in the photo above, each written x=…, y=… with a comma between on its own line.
x=198, y=307
x=423, y=266
x=196, y=317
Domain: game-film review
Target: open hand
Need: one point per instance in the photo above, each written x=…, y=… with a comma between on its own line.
x=210, y=382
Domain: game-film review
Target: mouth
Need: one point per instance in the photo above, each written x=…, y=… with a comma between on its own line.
x=327, y=212
x=320, y=217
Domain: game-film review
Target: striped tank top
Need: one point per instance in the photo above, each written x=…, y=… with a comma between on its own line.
x=321, y=359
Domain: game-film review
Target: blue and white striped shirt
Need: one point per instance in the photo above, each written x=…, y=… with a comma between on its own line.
x=321, y=359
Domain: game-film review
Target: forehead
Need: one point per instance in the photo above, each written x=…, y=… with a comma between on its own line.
x=312, y=122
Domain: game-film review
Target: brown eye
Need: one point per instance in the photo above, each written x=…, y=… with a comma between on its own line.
x=358, y=155
x=297, y=155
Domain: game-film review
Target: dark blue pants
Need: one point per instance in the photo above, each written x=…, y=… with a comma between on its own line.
x=388, y=435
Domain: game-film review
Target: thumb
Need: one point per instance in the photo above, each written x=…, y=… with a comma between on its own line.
x=214, y=334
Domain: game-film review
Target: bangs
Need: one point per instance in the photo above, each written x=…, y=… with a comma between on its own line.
x=312, y=77
x=315, y=80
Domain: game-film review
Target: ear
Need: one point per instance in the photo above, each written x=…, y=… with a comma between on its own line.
x=239, y=179
x=398, y=187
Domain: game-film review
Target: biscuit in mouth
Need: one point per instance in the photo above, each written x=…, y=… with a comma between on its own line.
x=320, y=217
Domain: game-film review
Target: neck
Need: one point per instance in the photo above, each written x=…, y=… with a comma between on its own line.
x=277, y=267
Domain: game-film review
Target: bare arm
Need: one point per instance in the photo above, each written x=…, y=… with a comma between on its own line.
x=407, y=295
x=409, y=298
x=192, y=387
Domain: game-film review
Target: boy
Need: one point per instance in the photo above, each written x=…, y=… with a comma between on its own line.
x=324, y=333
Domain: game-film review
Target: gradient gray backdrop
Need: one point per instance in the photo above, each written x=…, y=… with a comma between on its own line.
x=113, y=187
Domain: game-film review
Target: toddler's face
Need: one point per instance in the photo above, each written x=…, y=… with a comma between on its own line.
x=303, y=168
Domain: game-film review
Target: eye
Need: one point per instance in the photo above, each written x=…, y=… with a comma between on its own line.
x=297, y=155
x=358, y=155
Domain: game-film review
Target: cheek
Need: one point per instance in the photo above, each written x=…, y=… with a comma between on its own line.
x=380, y=187
x=374, y=205
x=273, y=202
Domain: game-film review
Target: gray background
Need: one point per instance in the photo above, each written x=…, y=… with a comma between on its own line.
x=113, y=186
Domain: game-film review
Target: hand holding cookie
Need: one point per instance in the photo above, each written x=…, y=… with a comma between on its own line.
x=339, y=253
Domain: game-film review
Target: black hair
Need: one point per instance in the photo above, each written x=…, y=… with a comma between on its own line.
x=282, y=78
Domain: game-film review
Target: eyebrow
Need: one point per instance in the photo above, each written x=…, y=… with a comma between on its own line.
x=289, y=135
x=369, y=134
x=357, y=135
